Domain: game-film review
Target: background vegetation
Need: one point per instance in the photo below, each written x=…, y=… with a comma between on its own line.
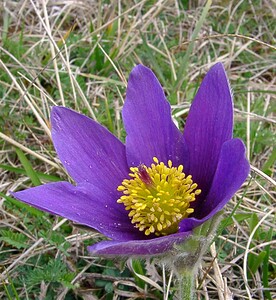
x=79, y=54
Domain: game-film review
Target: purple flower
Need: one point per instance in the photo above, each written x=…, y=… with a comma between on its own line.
x=149, y=194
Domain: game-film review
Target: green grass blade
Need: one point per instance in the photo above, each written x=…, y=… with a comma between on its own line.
x=28, y=167
x=22, y=205
x=155, y=64
x=10, y=290
x=266, y=267
x=269, y=163
x=227, y=221
x=22, y=171
x=5, y=28
x=184, y=63
x=109, y=118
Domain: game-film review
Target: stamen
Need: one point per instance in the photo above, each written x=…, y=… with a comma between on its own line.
x=158, y=197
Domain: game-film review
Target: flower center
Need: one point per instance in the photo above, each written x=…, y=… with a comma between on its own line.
x=158, y=197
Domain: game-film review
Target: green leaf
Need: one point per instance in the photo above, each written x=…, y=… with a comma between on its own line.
x=254, y=261
x=139, y=269
x=57, y=239
x=54, y=271
x=109, y=287
x=238, y=217
x=253, y=221
x=15, y=239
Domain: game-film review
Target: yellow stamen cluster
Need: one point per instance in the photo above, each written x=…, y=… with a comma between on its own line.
x=158, y=197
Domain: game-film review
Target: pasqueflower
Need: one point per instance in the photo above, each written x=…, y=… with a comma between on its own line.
x=148, y=194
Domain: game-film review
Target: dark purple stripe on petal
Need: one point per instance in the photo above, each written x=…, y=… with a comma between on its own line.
x=88, y=151
x=154, y=246
x=148, y=123
x=209, y=125
x=233, y=168
x=85, y=205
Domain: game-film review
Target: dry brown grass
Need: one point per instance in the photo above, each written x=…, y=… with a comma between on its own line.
x=49, y=59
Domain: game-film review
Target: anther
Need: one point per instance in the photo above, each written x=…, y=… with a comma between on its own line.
x=158, y=197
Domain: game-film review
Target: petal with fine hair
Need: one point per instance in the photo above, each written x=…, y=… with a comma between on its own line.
x=86, y=205
x=148, y=122
x=154, y=246
x=88, y=151
x=232, y=170
x=209, y=124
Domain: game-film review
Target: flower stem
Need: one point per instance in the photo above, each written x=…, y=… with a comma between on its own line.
x=187, y=285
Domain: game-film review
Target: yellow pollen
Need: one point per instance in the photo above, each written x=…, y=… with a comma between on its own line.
x=158, y=197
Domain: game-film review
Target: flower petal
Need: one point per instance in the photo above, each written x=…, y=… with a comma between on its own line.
x=86, y=205
x=148, y=123
x=154, y=246
x=232, y=170
x=88, y=151
x=209, y=125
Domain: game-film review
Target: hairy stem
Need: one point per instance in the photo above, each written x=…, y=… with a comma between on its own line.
x=187, y=285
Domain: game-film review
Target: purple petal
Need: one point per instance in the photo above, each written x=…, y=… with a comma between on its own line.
x=154, y=246
x=148, y=123
x=209, y=125
x=88, y=151
x=86, y=205
x=232, y=170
